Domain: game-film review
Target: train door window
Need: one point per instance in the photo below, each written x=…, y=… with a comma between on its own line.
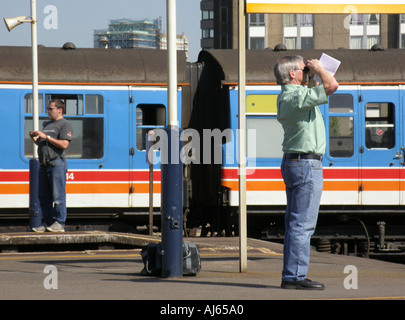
x=341, y=137
x=341, y=126
x=88, y=131
x=148, y=117
x=341, y=103
x=380, y=125
x=261, y=120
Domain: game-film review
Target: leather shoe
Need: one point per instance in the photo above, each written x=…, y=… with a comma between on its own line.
x=305, y=284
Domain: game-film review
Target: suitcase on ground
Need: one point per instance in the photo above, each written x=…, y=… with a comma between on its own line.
x=191, y=259
x=152, y=260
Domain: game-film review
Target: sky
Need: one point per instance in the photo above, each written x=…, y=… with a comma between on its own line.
x=61, y=21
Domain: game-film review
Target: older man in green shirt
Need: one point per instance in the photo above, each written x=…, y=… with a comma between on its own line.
x=304, y=145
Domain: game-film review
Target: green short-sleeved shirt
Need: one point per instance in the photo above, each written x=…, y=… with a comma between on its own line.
x=299, y=114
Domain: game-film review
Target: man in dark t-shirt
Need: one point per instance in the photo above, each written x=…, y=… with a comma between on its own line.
x=52, y=142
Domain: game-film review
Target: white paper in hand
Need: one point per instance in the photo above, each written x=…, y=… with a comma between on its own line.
x=329, y=63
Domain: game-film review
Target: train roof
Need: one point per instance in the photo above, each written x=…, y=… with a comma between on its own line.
x=357, y=66
x=88, y=65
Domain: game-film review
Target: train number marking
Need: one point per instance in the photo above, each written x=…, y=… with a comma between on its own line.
x=70, y=176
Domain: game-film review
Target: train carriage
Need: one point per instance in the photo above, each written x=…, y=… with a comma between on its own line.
x=113, y=98
x=364, y=161
x=363, y=121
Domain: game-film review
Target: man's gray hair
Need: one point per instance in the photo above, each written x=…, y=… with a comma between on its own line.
x=283, y=67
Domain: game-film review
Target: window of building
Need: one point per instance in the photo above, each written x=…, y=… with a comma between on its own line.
x=256, y=43
x=224, y=14
x=380, y=125
x=402, y=30
x=364, y=30
x=290, y=20
x=372, y=40
x=224, y=41
x=306, y=20
x=361, y=19
x=256, y=19
x=307, y=43
x=298, y=31
x=207, y=14
x=207, y=33
x=341, y=126
x=87, y=120
x=293, y=20
x=148, y=117
x=356, y=42
x=290, y=43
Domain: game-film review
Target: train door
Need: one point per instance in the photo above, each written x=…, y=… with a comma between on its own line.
x=147, y=112
x=341, y=162
x=380, y=150
x=402, y=135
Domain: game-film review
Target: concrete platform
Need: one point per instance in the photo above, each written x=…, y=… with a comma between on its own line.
x=115, y=274
x=70, y=238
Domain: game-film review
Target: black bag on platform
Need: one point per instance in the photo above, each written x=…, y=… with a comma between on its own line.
x=191, y=259
x=152, y=260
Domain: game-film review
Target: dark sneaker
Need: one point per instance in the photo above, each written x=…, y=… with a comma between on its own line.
x=305, y=284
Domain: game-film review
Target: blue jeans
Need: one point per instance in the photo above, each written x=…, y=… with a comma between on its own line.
x=52, y=192
x=304, y=181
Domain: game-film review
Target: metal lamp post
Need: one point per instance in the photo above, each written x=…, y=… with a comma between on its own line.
x=35, y=211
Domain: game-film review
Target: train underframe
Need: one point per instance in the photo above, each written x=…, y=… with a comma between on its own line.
x=349, y=230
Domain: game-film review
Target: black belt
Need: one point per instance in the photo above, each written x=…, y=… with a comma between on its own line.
x=302, y=156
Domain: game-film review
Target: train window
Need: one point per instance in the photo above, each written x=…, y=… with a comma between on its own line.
x=28, y=103
x=88, y=138
x=341, y=103
x=148, y=117
x=265, y=147
x=94, y=104
x=73, y=102
x=341, y=137
x=380, y=128
x=87, y=141
x=88, y=132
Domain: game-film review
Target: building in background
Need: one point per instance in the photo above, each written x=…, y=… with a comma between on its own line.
x=219, y=29
x=181, y=42
x=130, y=34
